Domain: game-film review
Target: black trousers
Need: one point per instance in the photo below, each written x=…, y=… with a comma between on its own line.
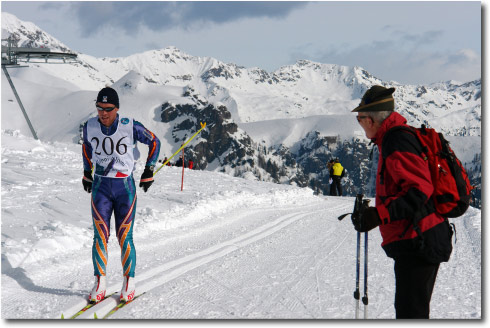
x=335, y=187
x=415, y=281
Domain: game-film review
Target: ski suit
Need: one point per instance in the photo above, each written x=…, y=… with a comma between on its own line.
x=110, y=149
x=414, y=235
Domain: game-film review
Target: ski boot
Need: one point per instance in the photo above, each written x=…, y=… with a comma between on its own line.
x=128, y=289
x=98, y=292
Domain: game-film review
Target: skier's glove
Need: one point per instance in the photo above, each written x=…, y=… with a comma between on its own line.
x=146, y=178
x=87, y=181
x=367, y=220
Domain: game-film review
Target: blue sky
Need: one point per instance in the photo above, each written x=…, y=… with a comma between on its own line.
x=414, y=42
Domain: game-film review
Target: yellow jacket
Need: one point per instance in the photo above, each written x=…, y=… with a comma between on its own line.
x=337, y=169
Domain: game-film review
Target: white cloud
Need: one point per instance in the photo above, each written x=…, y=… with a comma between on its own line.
x=416, y=58
x=409, y=42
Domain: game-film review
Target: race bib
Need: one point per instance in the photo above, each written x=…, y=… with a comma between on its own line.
x=113, y=155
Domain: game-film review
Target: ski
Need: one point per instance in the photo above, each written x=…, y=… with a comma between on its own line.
x=88, y=306
x=118, y=307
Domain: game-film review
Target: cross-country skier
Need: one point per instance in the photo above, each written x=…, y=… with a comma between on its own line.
x=108, y=142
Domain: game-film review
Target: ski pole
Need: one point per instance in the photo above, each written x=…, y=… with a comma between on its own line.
x=358, y=265
x=358, y=204
x=355, y=216
x=365, y=297
x=168, y=160
x=365, y=204
x=183, y=167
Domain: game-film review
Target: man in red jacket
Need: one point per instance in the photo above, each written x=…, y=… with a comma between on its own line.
x=414, y=235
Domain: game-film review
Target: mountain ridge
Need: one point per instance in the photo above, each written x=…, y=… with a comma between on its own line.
x=275, y=113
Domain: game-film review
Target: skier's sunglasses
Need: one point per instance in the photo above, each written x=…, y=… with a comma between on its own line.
x=107, y=109
x=359, y=118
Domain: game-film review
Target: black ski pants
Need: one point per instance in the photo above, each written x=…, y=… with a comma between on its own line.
x=415, y=279
x=336, y=186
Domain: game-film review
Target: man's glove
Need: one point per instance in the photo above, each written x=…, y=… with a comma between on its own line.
x=87, y=181
x=146, y=178
x=368, y=219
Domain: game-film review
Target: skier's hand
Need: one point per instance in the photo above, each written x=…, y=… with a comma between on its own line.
x=87, y=181
x=367, y=220
x=146, y=178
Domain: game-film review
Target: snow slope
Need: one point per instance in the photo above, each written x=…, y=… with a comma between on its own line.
x=223, y=247
x=288, y=131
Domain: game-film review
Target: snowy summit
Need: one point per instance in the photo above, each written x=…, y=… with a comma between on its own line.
x=251, y=235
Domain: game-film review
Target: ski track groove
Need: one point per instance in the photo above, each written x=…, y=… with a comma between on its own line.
x=230, y=247
x=292, y=280
x=230, y=292
x=181, y=266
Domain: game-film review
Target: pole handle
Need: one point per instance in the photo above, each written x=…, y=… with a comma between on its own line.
x=343, y=216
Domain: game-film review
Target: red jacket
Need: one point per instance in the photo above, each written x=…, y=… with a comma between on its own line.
x=409, y=224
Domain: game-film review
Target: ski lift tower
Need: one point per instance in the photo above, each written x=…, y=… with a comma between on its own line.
x=13, y=55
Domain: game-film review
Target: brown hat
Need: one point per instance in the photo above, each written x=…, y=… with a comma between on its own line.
x=377, y=99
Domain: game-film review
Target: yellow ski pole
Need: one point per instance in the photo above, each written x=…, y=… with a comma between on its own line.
x=168, y=160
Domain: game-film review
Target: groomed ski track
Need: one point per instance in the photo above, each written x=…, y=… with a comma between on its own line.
x=299, y=264
x=223, y=248
x=158, y=276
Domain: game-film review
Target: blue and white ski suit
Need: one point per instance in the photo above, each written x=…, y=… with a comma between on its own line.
x=110, y=149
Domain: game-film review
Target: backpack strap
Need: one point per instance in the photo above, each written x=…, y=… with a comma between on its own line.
x=412, y=130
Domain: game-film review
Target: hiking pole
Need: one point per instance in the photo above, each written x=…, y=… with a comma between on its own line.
x=365, y=204
x=355, y=216
x=365, y=297
x=181, y=147
x=358, y=265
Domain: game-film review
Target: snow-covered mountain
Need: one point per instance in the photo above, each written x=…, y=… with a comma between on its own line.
x=29, y=35
x=223, y=247
x=269, y=117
